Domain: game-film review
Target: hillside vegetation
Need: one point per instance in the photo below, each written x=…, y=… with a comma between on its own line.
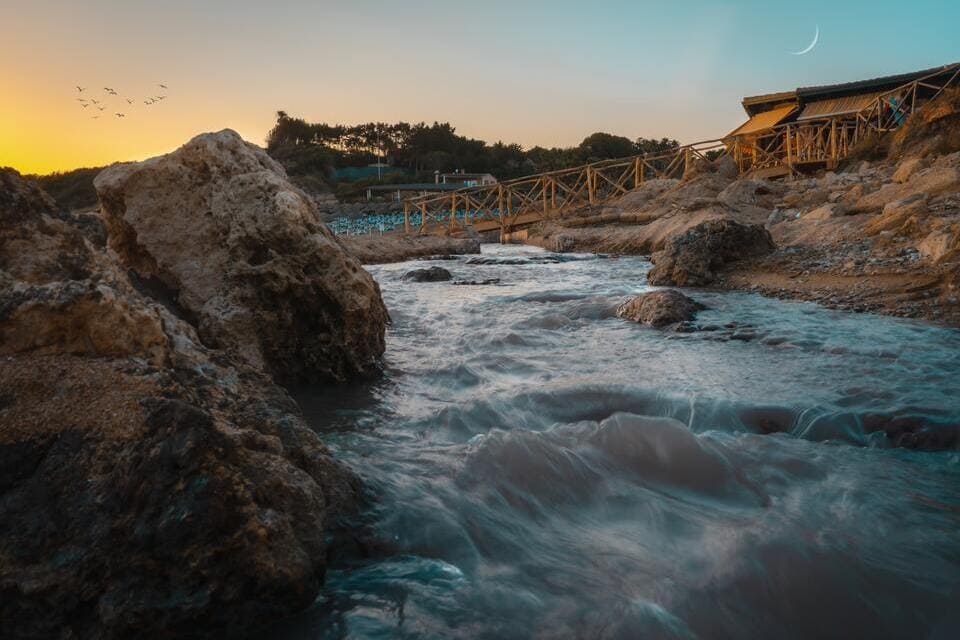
x=314, y=150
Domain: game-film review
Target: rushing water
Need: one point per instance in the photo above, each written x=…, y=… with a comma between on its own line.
x=544, y=469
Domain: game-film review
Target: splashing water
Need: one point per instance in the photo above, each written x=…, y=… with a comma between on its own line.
x=544, y=469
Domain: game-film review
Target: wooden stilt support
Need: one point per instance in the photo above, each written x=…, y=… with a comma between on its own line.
x=406, y=218
x=546, y=203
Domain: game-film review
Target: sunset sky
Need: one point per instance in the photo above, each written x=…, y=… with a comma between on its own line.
x=538, y=73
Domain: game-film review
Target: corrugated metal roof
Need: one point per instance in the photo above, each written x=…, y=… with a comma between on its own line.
x=837, y=106
x=857, y=86
x=764, y=120
x=875, y=83
x=753, y=104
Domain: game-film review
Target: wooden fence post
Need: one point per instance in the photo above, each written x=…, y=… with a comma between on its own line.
x=406, y=218
x=546, y=204
x=789, y=157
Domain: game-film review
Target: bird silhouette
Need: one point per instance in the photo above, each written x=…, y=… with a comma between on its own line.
x=99, y=107
x=120, y=115
x=129, y=101
x=94, y=101
x=80, y=89
x=81, y=100
x=95, y=117
x=163, y=86
x=84, y=106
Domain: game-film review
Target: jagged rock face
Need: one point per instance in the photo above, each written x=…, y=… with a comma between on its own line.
x=693, y=258
x=149, y=487
x=244, y=250
x=59, y=294
x=660, y=308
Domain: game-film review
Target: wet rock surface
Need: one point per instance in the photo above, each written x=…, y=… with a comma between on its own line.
x=430, y=274
x=660, y=308
x=150, y=486
x=244, y=252
x=693, y=258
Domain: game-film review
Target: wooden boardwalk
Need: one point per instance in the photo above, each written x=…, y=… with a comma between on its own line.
x=781, y=150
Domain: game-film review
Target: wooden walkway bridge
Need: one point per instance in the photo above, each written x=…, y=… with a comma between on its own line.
x=780, y=150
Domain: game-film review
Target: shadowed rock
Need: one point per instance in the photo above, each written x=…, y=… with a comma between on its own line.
x=429, y=274
x=693, y=258
x=660, y=308
x=149, y=486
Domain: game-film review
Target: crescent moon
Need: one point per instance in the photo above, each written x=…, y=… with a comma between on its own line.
x=816, y=38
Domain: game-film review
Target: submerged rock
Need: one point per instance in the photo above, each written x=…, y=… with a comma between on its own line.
x=243, y=251
x=149, y=486
x=660, y=308
x=693, y=258
x=429, y=274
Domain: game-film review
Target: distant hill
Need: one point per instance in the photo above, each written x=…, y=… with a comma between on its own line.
x=71, y=189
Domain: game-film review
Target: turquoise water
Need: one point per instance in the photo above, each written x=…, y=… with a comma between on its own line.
x=543, y=469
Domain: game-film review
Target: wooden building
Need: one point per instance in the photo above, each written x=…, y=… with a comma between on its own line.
x=815, y=127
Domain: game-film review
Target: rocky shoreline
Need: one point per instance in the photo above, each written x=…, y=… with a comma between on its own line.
x=879, y=235
x=155, y=480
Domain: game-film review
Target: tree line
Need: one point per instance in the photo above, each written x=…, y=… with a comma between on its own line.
x=317, y=148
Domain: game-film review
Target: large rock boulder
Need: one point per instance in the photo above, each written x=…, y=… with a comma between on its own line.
x=243, y=253
x=660, y=308
x=149, y=487
x=692, y=258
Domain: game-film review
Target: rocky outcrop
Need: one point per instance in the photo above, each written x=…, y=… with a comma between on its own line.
x=376, y=249
x=694, y=257
x=430, y=274
x=660, y=308
x=149, y=486
x=243, y=252
x=933, y=130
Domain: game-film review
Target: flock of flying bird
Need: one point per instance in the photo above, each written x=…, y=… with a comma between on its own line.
x=100, y=105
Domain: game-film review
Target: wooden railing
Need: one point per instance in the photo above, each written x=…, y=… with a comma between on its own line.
x=785, y=148
x=552, y=194
x=828, y=140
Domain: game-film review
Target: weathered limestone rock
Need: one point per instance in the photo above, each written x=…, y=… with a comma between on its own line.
x=149, y=487
x=660, y=308
x=693, y=258
x=932, y=182
x=750, y=191
x=58, y=295
x=906, y=169
x=244, y=253
x=649, y=190
x=825, y=212
x=895, y=214
x=430, y=274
